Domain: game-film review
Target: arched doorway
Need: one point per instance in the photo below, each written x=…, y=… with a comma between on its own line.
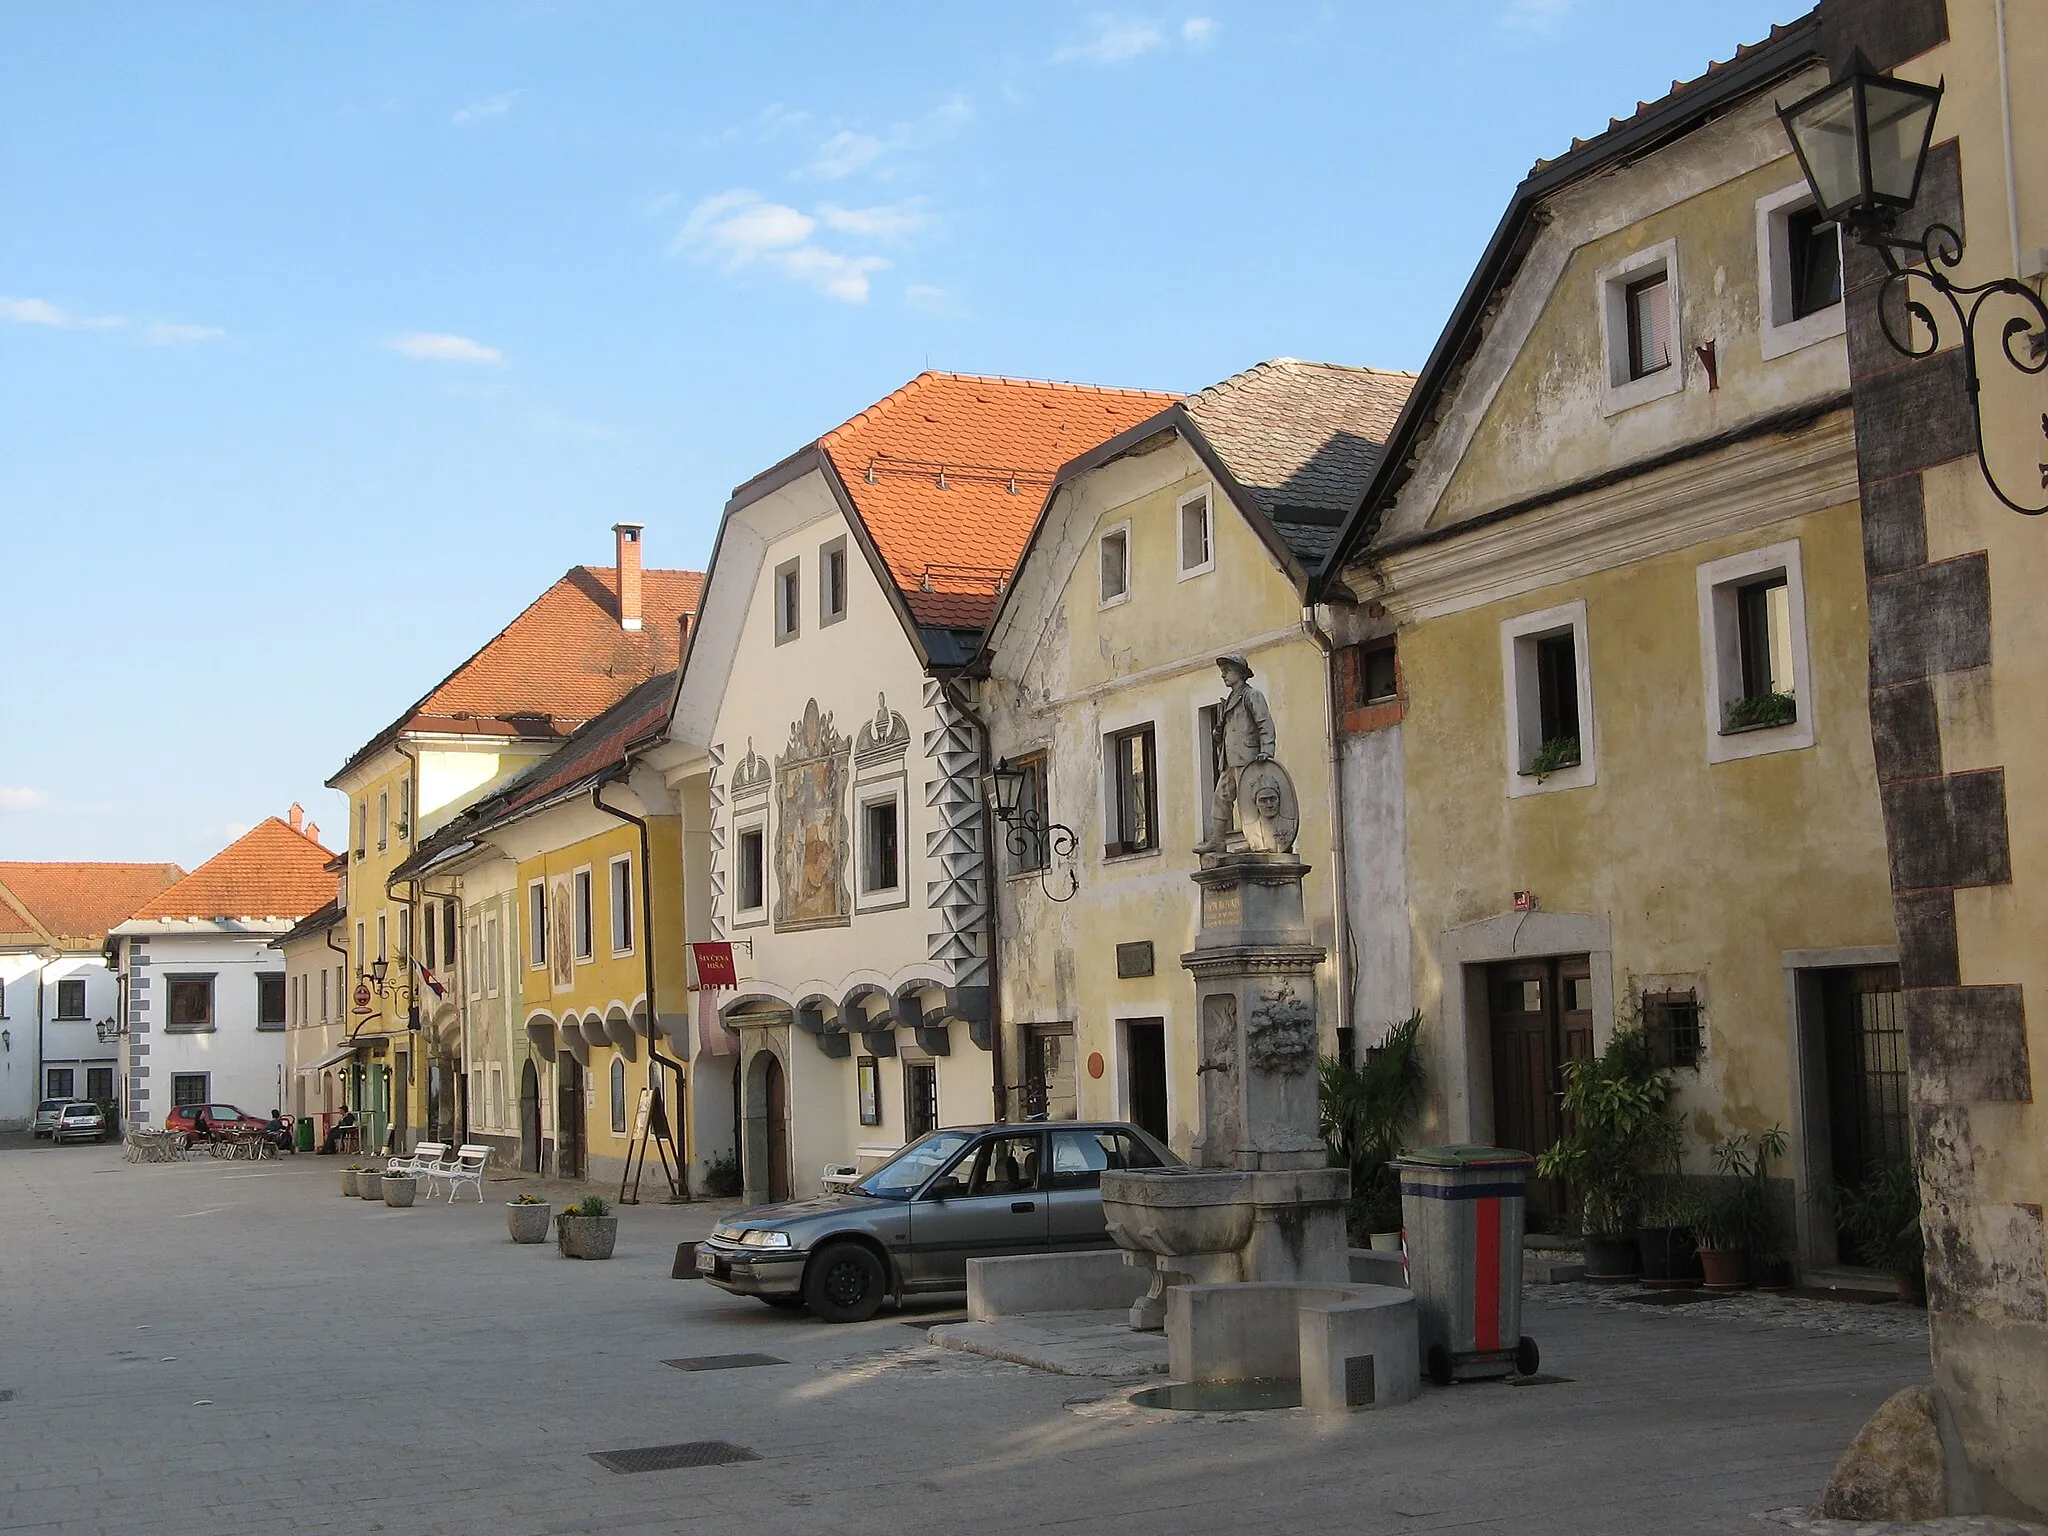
x=529, y=1118
x=569, y=1118
x=766, y=1160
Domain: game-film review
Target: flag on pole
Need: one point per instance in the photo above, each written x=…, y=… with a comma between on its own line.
x=428, y=977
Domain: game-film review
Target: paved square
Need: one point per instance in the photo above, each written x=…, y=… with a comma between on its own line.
x=228, y=1347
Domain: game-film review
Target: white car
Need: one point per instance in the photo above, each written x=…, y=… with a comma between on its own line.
x=47, y=1113
x=80, y=1120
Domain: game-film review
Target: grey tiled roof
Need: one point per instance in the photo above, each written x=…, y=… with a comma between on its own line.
x=1303, y=438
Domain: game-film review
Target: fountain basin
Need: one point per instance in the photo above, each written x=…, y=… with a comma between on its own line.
x=1175, y=1213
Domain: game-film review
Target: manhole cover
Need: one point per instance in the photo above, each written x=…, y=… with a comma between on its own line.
x=724, y=1362
x=666, y=1458
x=1220, y=1396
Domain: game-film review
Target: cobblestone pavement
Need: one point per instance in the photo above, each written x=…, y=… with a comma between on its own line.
x=232, y=1347
x=1875, y=1320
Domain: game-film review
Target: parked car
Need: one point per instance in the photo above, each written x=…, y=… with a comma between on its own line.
x=80, y=1120
x=225, y=1118
x=966, y=1192
x=46, y=1115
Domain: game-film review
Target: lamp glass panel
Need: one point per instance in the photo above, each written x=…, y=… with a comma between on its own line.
x=1824, y=131
x=1900, y=122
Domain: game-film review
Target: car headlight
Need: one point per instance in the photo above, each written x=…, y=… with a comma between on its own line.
x=760, y=1239
x=726, y=1234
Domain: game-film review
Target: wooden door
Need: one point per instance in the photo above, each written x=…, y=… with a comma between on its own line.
x=529, y=1118
x=1541, y=1016
x=775, y=1101
x=569, y=1120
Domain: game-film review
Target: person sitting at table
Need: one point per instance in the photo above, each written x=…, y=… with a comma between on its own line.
x=345, y=1126
x=202, y=1124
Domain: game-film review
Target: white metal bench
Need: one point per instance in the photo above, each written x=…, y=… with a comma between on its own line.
x=468, y=1168
x=420, y=1163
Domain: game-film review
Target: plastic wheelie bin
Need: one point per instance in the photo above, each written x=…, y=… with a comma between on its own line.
x=302, y=1134
x=1462, y=1211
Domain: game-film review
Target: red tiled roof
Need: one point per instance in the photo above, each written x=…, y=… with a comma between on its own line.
x=599, y=745
x=563, y=661
x=269, y=871
x=948, y=473
x=77, y=901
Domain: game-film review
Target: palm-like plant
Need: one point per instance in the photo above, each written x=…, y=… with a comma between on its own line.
x=1617, y=1107
x=1364, y=1109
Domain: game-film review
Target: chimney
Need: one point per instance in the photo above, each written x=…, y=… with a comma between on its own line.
x=313, y=831
x=627, y=537
x=295, y=818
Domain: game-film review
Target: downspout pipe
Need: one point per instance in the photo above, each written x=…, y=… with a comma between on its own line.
x=347, y=1036
x=1312, y=628
x=654, y=1051
x=1000, y=1087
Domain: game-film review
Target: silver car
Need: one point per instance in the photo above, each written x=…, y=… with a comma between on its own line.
x=81, y=1120
x=966, y=1192
x=47, y=1113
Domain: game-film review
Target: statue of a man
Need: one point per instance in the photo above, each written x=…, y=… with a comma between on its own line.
x=1244, y=735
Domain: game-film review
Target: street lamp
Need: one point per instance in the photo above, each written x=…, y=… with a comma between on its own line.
x=1027, y=834
x=1862, y=141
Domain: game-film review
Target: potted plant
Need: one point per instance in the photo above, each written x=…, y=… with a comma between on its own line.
x=1670, y=1258
x=722, y=1176
x=399, y=1188
x=1882, y=1217
x=587, y=1230
x=527, y=1218
x=1363, y=1110
x=1617, y=1105
x=1735, y=1222
x=348, y=1180
x=370, y=1184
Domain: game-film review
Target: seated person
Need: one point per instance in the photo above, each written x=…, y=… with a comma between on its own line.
x=336, y=1133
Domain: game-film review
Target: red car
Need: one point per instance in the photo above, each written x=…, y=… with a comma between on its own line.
x=224, y=1118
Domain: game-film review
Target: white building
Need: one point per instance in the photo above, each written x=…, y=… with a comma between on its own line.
x=58, y=1000
x=203, y=991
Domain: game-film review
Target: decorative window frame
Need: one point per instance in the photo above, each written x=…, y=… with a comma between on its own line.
x=284, y=1021
x=754, y=819
x=536, y=932
x=1619, y=392
x=611, y=901
x=831, y=547
x=1721, y=654
x=1518, y=637
x=888, y=789
x=212, y=980
x=1207, y=495
x=1113, y=727
x=1778, y=330
x=778, y=611
x=1114, y=530
x=583, y=913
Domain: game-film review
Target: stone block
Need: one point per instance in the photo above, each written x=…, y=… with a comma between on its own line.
x=1243, y=1332
x=1097, y=1280
x=1364, y=1352
x=1373, y=1266
x=1562, y=1268
x=1893, y=1468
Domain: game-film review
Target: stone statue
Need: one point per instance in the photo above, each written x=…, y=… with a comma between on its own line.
x=1268, y=808
x=1244, y=737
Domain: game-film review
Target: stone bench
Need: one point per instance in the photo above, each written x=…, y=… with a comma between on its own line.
x=1093, y=1280
x=1350, y=1346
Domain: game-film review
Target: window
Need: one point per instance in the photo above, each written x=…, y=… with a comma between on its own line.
x=497, y=1100
x=832, y=582
x=189, y=1000
x=1550, y=713
x=1114, y=559
x=1799, y=272
x=1049, y=1088
x=323, y=994
x=920, y=1098
x=362, y=954
x=494, y=960
x=1080, y=1158
x=1133, y=793
x=448, y=920
x=1379, y=681
x=57, y=1083
x=1642, y=328
x=622, y=905
x=537, y=924
x=474, y=964
x=585, y=936
x=383, y=953
x=618, y=1094
x=1196, y=553
x=1753, y=654
x=71, y=998
x=383, y=820
x=270, y=999
x=868, y=1087
x=1671, y=1028
x=878, y=846
x=430, y=933
x=362, y=826
x=1025, y=838
x=404, y=936
x=788, y=601
x=1648, y=304
x=751, y=861
x=189, y=1088
x=99, y=1084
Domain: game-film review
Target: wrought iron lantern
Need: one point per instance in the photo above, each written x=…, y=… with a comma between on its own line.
x=1862, y=141
x=1026, y=832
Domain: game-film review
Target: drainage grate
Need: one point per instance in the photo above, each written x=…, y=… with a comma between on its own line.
x=666, y=1458
x=1538, y=1380
x=724, y=1362
x=1360, y=1389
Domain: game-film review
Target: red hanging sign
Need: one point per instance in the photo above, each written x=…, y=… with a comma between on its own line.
x=715, y=967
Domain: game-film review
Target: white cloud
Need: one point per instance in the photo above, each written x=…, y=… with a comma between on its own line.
x=929, y=300
x=441, y=347
x=844, y=153
x=1542, y=16
x=488, y=108
x=19, y=797
x=739, y=228
x=1198, y=31
x=832, y=273
x=42, y=312
x=889, y=221
x=849, y=151
x=1112, y=40
x=166, y=333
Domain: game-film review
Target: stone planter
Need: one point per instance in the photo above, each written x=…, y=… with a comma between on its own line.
x=528, y=1223
x=587, y=1237
x=1612, y=1259
x=399, y=1191
x=348, y=1182
x=1727, y=1269
x=370, y=1185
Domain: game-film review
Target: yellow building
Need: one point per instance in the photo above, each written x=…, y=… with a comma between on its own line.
x=1186, y=537
x=1613, y=564
x=572, y=654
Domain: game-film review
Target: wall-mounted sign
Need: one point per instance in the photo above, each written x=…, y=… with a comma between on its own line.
x=1095, y=1064
x=1525, y=901
x=1134, y=959
x=715, y=966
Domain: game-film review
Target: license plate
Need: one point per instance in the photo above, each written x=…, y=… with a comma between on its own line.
x=706, y=1263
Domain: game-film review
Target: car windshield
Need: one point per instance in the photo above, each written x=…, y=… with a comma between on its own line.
x=81, y=1111
x=901, y=1176
x=50, y=1105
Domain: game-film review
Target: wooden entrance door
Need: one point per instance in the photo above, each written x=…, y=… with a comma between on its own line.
x=529, y=1118
x=775, y=1111
x=1541, y=1016
x=569, y=1120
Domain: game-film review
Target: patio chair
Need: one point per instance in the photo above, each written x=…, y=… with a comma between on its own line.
x=470, y=1161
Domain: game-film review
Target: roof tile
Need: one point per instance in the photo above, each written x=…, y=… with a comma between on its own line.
x=269, y=871
x=77, y=901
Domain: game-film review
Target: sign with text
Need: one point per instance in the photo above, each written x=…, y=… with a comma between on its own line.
x=715, y=966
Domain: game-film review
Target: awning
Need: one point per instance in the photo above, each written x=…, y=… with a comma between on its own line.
x=340, y=1054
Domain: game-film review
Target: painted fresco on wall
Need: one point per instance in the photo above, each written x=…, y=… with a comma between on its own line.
x=561, y=933
x=811, y=835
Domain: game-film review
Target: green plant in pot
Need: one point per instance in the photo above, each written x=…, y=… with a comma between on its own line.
x=1363, y=1110
x=1665, y=1234
x=1618, y=1107
x=1736, y=1224
x=1881, y=1216
x=587, y=1230
x=722, y=1176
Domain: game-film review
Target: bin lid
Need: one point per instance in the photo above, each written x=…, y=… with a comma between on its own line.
x=1464, y=1157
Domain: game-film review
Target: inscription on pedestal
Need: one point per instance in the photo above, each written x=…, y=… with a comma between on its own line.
x=1222, y=906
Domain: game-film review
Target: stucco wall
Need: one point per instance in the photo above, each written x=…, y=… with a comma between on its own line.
x=244, y=1064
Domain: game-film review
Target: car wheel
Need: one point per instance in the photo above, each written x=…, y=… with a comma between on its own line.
x=844, y=1284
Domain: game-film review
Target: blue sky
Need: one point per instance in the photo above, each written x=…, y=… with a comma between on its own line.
x=331, y=334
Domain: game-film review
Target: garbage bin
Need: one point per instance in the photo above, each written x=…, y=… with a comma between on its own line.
x=303, y=1134
x=1462, y=1211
